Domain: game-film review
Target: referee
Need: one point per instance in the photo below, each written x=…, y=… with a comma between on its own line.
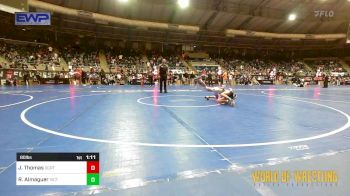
x=163, y=75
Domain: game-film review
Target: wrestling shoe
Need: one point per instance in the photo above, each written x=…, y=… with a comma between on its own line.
x=231, y=103
x=234, y=96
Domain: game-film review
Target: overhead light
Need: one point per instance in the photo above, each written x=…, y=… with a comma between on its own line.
x=183, y=3
x=123, y=1
x=292, y=17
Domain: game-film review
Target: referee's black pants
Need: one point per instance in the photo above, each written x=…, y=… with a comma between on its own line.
x=162, y=81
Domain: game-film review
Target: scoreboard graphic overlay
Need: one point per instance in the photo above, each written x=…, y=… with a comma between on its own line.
x=57, y=169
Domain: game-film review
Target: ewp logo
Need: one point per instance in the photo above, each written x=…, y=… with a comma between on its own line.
x=32, y=18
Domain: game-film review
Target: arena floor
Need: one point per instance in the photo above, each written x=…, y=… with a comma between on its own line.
x=179, y=143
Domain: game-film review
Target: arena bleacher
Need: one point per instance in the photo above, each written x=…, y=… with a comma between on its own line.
x=34, y=57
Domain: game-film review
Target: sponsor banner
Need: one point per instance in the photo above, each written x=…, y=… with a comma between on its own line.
x=32, y=18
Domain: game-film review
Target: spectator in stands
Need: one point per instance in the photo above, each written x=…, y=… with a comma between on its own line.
x=210, y=78
x=219, y=75
x=38, y=77
x=224, y=77
x=26, y=78
x=192, y=77
x=326, y=80
x=231, y=78
x=103, y=76
x=185, y=77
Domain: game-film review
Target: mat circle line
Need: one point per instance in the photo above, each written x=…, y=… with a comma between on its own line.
x=332, y=132
x=12, y=104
